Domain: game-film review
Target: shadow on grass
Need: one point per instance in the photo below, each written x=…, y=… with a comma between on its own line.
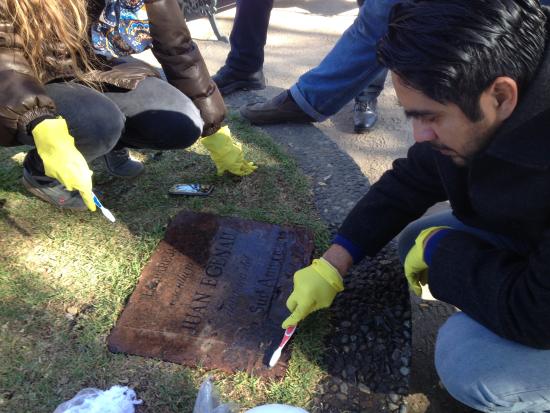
x=66, y=276
x=50, y=350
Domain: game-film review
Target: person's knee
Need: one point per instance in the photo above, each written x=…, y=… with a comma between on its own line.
x=186, y=132
x=95, y=122
x=179, y=131
x=110, y=132
x=460, y=378
x=461, y=368
x=100, y=131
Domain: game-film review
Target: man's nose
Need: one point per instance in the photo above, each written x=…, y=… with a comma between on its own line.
x=422, y=132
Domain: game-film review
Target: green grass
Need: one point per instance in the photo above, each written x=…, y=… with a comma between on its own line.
x=65, y=276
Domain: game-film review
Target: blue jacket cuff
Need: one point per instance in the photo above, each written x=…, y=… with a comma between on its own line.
x=356, y=252
x=431, y=244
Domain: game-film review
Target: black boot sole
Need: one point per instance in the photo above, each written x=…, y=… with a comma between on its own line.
x=361, y=129
x=240, y=85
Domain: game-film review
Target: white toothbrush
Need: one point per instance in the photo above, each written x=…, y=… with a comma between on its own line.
x=106, y=213
x=277, y=353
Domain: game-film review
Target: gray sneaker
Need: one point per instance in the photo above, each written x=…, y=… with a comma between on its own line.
x=119, y=164
x=364, y=116
x=53, y=192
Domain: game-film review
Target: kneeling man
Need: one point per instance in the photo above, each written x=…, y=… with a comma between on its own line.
x=474, y=78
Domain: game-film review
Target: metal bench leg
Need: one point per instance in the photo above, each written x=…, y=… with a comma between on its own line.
x=214, y=24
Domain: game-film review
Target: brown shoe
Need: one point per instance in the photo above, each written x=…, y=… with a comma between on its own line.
x=280, y=109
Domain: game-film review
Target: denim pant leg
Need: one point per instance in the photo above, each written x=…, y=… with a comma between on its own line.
x=94, y=121
x=158, y=116
x=248, y=35
x=488, y=372
x=349, y=67
x=477, y=367
x=374, y=89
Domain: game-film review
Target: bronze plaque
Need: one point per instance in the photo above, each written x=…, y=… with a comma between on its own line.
x=213, y=294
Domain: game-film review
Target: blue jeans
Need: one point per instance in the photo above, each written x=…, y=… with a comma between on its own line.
x=248, y=38
x=350, y=66
x=374, y=89
x=477, y=367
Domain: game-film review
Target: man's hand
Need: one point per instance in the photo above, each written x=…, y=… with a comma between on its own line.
x=62, y=161
x=416, y=269
x=314, y=288
x=227, y=154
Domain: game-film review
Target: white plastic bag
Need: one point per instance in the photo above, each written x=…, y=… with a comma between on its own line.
x=208, y=402
x=117, y=399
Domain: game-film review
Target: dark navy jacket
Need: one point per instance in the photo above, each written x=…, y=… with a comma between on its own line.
x=506, y=190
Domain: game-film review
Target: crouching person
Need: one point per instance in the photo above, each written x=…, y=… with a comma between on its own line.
x=473, y=77
x=68, y=88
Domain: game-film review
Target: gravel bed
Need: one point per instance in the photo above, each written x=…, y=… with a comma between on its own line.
x=369, y=347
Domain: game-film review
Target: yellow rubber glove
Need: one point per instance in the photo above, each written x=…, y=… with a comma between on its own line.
x=314, y=288
x=416, y=269
x=62, y=161
x=227, y=154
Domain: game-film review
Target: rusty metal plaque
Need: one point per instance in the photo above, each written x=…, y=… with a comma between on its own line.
x=213, y=294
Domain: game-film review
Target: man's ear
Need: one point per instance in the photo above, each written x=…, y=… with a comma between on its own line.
x=504, y=93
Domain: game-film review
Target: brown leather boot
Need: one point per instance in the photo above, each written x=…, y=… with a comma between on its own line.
x=280, y=109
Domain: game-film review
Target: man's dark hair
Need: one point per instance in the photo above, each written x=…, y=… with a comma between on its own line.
x=452, y=50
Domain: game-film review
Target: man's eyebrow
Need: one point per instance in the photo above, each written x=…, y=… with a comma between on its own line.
x=418, y=113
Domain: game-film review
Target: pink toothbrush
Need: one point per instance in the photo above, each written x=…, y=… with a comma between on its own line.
x=277, y=353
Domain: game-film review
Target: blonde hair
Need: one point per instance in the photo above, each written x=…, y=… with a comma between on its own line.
x=44, y=26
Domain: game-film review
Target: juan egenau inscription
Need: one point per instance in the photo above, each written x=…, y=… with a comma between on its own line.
x=213, y=293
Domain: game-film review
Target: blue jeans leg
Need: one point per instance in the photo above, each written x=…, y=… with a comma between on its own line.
x=350, y=66
x=477, y=367
x=490, y=373
x=374, y=89
x=248, y=35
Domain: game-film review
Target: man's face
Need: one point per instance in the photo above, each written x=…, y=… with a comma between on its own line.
x=445, y=126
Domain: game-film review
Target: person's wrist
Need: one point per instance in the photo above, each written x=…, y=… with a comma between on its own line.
x=357, y=253
x=339, y=258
